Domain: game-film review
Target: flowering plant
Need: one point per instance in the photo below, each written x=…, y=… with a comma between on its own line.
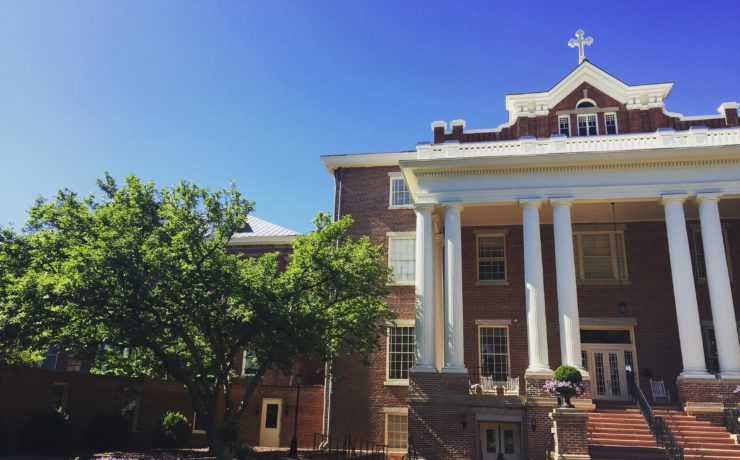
x=552, y=386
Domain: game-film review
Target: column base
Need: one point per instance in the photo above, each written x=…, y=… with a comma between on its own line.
x=450, y=369
x=696, y=375
x=533, y=372
x=423, y=368
x=731, y=374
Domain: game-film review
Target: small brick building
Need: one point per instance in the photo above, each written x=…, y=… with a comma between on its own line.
x=594, y=229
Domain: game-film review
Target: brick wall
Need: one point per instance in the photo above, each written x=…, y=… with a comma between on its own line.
x=25, y=392
x=571, y=432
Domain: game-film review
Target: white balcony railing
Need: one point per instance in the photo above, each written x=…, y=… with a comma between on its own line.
x=663, y=138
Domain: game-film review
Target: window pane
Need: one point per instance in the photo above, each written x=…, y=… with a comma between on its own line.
x=397, y=431
x=400, y=195
x=271, y=417
x=564, y=125
x=611, y=123
x=403, y=258
x=491, y=258
x=597, y=257
x=494, y=352
x=401, y=346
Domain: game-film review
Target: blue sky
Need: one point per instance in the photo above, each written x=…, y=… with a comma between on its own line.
x=256, y=91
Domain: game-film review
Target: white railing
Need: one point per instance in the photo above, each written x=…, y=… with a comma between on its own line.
x=663, y=138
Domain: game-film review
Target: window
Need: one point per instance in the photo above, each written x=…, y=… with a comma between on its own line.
x=600, y=256
x=402, y=256
x=701, y=265
x=59, y=395
x=397, y=431
x=610, y=122
x=400, y=195
x=198, y=426
x=249, y=364
x=494, y=352
x=585, y=105
x=564, y=125
x=130, y=407
x=491, y=257
x=50, y=358
x=711, y=349
x=401, y=349
x=587, y=125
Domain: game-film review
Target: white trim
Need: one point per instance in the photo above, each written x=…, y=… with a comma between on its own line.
x=365, y=160
x=404, y=323
x=493, y=322
x=485, y=234
x=401, y=323
x=400, y=236
x=580, y=265
x=570, y=130
x=586, y=99
x=394, y=176
x=616, y=124
x=586, y=116
x=385, y=438
x=400, y=410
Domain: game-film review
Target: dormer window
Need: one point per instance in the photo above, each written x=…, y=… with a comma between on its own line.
x=587, y=125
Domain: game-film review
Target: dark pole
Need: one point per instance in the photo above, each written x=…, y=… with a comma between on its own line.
x=294, y=441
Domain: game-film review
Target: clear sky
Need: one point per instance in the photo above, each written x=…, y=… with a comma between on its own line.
x=256, y=91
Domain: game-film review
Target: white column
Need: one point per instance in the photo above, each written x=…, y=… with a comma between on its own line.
x=439, y=301
x=534, y=288
x=718, y=280
x=684, y=292
x=424, y=290
x=454, y=352
x=565, y=270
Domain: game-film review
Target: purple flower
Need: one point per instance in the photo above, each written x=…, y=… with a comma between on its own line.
x=551, y=386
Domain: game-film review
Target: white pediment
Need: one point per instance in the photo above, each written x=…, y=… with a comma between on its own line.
x=637, y=96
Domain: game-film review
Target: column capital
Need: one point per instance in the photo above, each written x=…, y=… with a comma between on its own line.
x=561, y=202
x=452, y=205
x=673, y=198
x=424, y=206
x=701, y=197
x=530, y=203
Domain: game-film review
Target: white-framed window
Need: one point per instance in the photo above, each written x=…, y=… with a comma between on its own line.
x=130, y=405
x=402, y=256
x=400, y=352
x=610, y=123
x=493, y=346
x=711, y=349
x=249, y=363
x=600, y=255
x=59, y=395
x=51, y=358
x=397, y=430
x=588, y=125
x=491, y=256
x=701, y=265
x=400, y=197
x=564, y=125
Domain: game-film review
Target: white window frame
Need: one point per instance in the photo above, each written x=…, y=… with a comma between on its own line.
x=696, y=230
x=65, y=394
x=398, y=412
x=586, y=116
x=508, y=347
x=394, y=176
x=395, y=236
x=567, y=122
x=616, y=123
x=580, y=267
x=388, y=380
x=484, y=234
x=244, y=366
x=195, y=431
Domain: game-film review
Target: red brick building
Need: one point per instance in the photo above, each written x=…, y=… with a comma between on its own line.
x=594, y=229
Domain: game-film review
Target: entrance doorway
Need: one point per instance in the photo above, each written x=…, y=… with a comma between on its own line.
x=606, y=354
x=500, y=441
x=272, y=411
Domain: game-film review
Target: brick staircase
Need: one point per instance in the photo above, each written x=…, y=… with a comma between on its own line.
x=699, y=439
x=616, y=432
x=621, y=433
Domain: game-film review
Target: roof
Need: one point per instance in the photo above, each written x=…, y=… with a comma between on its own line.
x=260, y=231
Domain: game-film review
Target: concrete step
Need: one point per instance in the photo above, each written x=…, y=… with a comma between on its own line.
x=626, y=453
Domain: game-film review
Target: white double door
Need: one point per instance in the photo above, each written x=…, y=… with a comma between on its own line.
x=500, y=441
x=607, y=367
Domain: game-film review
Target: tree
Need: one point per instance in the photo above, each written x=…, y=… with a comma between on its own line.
x=148, y=269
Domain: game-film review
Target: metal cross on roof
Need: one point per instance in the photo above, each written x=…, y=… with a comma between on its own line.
x=581, y=42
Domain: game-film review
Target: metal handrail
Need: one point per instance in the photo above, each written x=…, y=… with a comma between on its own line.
x=350, y=447
x=656, y=424
x=731, y=413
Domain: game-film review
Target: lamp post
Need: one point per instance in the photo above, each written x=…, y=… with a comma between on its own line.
x=294, y=441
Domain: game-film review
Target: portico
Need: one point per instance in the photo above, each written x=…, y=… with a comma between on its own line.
x=597, y=189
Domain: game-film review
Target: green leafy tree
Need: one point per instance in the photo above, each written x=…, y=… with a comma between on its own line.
x=148, y=269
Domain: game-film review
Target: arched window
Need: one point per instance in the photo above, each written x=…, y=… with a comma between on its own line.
x=586, y=103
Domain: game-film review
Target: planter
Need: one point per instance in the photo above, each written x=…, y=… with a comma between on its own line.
x=565, y=394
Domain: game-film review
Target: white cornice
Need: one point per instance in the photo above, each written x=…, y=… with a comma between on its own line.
x=365, y=160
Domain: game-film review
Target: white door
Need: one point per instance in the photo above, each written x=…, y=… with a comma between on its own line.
x=272, y=414
x=609, y=378
x=500, y=441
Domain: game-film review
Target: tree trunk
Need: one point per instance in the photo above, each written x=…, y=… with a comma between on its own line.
x=219, y=449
